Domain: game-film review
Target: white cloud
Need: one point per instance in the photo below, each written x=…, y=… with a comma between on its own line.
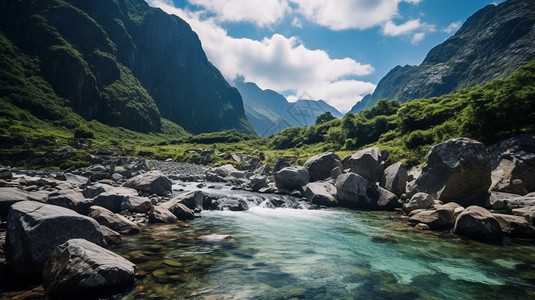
x=349, y=14
x=279, y=63
x=453, y=27
x=296, y=22
x=391, y=29
x=259, y=12
x=417, y=37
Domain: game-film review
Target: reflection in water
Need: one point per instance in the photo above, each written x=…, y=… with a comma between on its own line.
x=321, y=254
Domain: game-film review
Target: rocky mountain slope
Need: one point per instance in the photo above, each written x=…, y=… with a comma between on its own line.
x=270, y=112
x=491, y=44
x=120, y=62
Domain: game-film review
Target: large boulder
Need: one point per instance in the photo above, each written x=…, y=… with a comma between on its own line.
x=153, y=182
x=291, y=178
x=439, y=219
x=418, y=201
x=356, y=191
x=136, y=204
x=113, y=221
x=161, y=215
x=78, y=265
x=513, y=165
x=515, y=226
x=182, y=212
x=478, y=223
x=368, y=163
x=321, y=193
x=387, y=200
x=257, y=182
x=394, y=178
x=35, y=229
x=457, y=170
x=12, y=195
x=193, y=200
x=71, y=199
x=319, y=167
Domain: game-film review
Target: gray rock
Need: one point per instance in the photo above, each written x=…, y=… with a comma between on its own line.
x=228, y=204
x=35, y=229
x=111, y=237
x=422, y=226
x=513, y=165
x=76, y=179
x=162, y=215
x=321, y=193
x=110, y=201
x=291, y=178
x=113, y=221
x=335, y=173
x=319, y=167
x=5, y=174
x=356, y=191
x=71, y=199
x=257, y=182
x=439, y=219
x=12, y=195
x=394, y=178
x=182, y=212
x=217, y=239
x=192, y=200
x=135, y=204
x=515, y=226
x=93, y=190
x=153, y=182
x=79, y=265
x=477, y=223
x=418, y=201
x=500, y=200
x=368, y=163
x=387, y=200
x=457, y=170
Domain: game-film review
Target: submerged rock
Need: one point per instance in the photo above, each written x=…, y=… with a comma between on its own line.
x=457, y=170
x=79, y=265
x=36, y=229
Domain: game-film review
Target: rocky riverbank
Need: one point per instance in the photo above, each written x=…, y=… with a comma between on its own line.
x=56, y=226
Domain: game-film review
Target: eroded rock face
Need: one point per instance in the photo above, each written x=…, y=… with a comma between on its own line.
x=457, y=170
x=291, y=178
x=394, y=178
x=368, y=163
x=36, y=229
x=513, y=165
x=319, y=167
x=356, y=191
x=78, y=265
x=153, y=182
x=477, y=223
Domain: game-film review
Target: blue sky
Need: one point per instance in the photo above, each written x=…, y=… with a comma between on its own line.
x=335, y=50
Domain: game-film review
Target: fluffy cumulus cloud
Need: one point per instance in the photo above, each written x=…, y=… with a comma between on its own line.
x=413, y=27
x=280, y=63
x=259, y=12
x=453, y=27
x=349, y=14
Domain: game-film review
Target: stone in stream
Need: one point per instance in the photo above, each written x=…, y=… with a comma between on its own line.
x=12, y=195
x=356, y=191
x=319, y=167
x=368, y=163
x=257, y=182
x=387, y=200
x=439, y=219
x=291, y=178
x=110, y=236
x=162, y=215
x=78, y=266
x=457, y=170
x=153, y=182
x=113, y=221
x=394, y=178
x=515, y=226
x=135, y=204
x=182, y=212
x=71, y=199
x=418, y=201
x=321, y=193
x=35, y=229
x=217, y=238
x=478, y=223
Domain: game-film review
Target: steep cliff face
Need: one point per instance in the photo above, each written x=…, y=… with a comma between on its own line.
x=491, y=44
x=123, y=63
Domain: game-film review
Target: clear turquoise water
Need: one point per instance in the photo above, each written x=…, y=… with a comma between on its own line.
x=323, y=254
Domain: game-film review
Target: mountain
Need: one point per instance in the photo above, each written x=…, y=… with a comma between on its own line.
x=270, y=112
x=491, y=44
x=120, y=62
